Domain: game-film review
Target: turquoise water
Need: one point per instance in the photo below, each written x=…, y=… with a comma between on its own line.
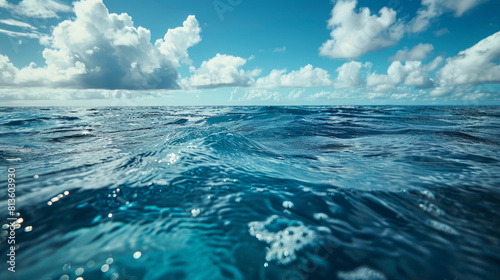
x=253, y=192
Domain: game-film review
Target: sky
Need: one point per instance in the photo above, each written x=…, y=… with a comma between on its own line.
x=241, y=52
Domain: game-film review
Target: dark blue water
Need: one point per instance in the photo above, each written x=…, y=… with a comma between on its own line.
x=253, y=192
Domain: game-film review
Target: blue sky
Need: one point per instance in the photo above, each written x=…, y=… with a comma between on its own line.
x=239, y=52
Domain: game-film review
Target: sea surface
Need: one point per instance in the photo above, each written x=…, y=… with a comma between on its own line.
x=252, y=192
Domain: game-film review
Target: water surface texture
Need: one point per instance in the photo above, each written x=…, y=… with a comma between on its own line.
x=253, y=192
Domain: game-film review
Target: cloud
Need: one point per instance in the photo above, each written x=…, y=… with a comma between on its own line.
x=221, y=71
x=7, y=70
x=349, y=74
x=321, y=95
x=441, y=32
x=42, y=8
x=307, y=76
x=477, y=64
x=441, y=91
x=261, y=94
x=4, y=4
x=412, y=73
x=418, y=52
x=20, y=34
x=337, y=94
x=126, y=97
x=280, y=50
x=97, y=49
x=37, y=8
x=295, y=94
x=432, y=9
x=433, y=64
x=176, y=41
x=354, y=34
x=13, y=22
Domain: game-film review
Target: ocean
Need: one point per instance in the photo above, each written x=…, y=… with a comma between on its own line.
x=251, y=192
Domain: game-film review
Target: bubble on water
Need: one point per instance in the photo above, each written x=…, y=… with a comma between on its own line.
x=320, y=216
x=28, y=228
x=109, y=260
x=361, y=273
x=428, y=194
x=104, y=268
x=137, y=254
x=79, y=271
x=431, y=208
x=195, y=212
x=36, y=176
x=64, y=277
x=287, y=204
x=285, y=238
x=66, y=192
x=90, y=264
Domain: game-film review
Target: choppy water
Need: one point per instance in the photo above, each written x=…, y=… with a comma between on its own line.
x=254, y=192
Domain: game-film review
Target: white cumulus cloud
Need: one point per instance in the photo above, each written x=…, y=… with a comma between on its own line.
x=98, y=49
x=221, y=71
x=350, y=74
x=418, y=52
x=412, y=73
x=7, y=70
x=307, y=76
x=477, y=64
x=356, y=33
x=176, y=41
x=432, y=9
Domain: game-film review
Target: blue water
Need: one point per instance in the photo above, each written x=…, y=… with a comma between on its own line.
x=253, y=192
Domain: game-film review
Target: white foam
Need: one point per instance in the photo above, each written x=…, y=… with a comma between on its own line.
x=361, y=273
x=285, y=238
x=442, y=227
x=288, y=204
